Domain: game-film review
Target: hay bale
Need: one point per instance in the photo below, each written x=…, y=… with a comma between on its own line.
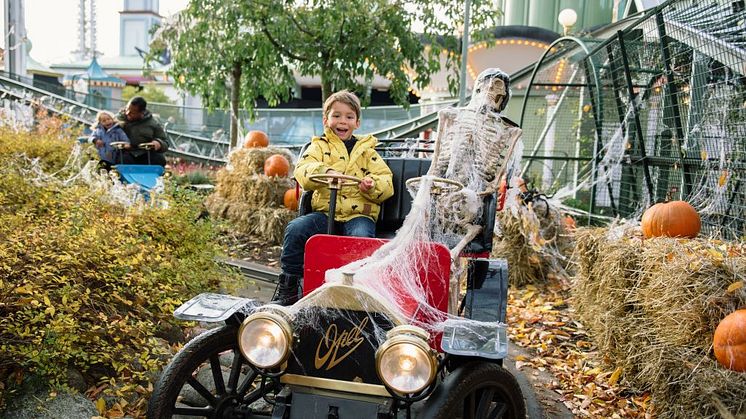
x=536, y=246
x=252, y=201
x=250, y=161
x=652, y=307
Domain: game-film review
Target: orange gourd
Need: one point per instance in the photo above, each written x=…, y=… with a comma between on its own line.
x=256, y=139
x=671, y=219
x=730, y=341
x=290, y=200
x=276, y=165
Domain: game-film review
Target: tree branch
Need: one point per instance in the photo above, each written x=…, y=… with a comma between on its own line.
x=277, y=45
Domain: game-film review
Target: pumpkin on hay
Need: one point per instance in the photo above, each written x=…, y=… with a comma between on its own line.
x=671, y=219
x=276, y=165
x=290, y=200
x=256, y=139
x=730, y=341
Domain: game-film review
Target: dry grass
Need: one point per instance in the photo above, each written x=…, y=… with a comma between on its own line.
x=536, y=245
x=653, y=306
x=251, y=200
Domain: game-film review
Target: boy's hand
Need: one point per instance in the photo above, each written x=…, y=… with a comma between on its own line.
x=156, y=145
x=99, y=143
x=367, y=184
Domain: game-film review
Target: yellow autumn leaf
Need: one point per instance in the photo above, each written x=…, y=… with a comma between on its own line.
x=46, y=301
x=723, y=178
x=101, y=405
x=715, y=254
x=615, y=376
x=735, y=286
x=25, y=289
x=519, y=358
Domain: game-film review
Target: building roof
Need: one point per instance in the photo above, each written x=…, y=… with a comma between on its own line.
x=96, y=76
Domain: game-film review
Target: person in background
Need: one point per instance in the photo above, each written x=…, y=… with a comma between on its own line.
x=105, y=132
x=338, y=151
x=142, y=129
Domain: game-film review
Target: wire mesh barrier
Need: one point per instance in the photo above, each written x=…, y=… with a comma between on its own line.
x=656, y=112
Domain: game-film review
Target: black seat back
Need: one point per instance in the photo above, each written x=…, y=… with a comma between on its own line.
x=396, y=208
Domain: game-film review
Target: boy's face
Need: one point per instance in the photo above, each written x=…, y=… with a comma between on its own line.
x=106, y=121
x=341, y=119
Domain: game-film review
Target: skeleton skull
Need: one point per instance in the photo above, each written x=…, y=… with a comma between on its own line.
x=491, y=89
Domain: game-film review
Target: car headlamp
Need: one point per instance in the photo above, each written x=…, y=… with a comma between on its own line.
x=405, y=363
x=265, y=339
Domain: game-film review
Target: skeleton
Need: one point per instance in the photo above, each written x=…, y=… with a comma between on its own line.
x=472, y=149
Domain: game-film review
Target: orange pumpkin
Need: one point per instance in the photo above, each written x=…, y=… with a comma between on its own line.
x=568, y=222
x=730, y=341
x=671, y=219
x=276, y=165
x=256, y=139
x=290, y=200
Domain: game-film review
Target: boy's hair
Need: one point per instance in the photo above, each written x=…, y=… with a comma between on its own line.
x=99, y=115
x=346, y=97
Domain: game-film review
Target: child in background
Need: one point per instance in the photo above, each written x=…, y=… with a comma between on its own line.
x=105, y=132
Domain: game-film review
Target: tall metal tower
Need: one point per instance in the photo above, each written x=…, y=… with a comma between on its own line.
x=86, y=30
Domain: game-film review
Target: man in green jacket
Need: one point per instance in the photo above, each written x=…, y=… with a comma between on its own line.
x=357, y=207
x=142, y=129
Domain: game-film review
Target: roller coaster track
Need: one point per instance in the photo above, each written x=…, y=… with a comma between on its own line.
x=187, y=146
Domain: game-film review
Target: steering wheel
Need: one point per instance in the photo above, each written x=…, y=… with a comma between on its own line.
x=335, y=181
x=119, y=145
x=438, y=186
x=146, y=146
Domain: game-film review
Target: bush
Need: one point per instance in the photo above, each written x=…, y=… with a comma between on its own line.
x=87, y=285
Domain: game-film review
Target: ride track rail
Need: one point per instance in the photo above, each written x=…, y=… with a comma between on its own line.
x=186, y=146
x=253, y=271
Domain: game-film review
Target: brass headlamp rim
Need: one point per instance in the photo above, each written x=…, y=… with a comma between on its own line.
x=407, y=334
x=277, y=317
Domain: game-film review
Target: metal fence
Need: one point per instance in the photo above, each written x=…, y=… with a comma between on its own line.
x=284, y=126
x=656, y=112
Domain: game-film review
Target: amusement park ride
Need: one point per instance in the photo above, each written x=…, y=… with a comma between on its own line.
x=381, y=340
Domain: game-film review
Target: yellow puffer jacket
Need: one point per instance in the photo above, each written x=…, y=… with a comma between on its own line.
x=329, y=152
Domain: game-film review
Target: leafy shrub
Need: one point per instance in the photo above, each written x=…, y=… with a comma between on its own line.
x=87, y=285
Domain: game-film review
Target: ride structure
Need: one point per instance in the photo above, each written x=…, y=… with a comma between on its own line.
x=384, y=329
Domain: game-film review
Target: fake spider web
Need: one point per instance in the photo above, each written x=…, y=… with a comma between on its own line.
x=474, y=147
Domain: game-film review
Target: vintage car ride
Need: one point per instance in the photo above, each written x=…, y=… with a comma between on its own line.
x=343, y=351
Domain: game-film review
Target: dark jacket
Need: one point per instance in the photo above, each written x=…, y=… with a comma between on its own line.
x=145, y=130
x=108, y=136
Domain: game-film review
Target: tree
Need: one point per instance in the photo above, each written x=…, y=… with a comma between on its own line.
x=252, y=45
x=348, y=42
x=152, y=94
x=156, y=98
x=217, y=54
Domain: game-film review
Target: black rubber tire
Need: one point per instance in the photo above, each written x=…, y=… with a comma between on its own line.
x=465, y=394
x=204, y=352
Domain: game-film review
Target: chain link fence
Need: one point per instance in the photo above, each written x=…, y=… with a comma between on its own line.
x=656, y=112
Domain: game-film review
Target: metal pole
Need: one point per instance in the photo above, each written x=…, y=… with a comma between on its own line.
x=464, y=53
x=636, y=114
x=332, y=208
x=576, y=168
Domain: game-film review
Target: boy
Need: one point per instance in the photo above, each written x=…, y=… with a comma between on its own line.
x=335, y=152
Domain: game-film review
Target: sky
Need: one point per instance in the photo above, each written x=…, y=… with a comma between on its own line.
x=52, y=26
